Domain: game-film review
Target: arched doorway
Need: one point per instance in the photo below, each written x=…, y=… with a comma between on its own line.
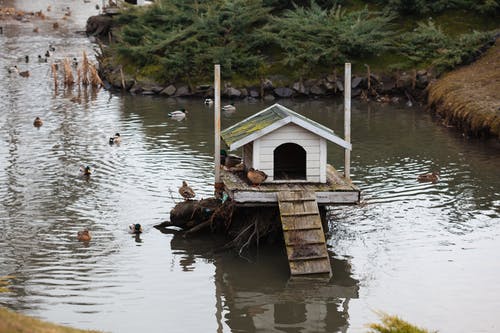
x=289, y=162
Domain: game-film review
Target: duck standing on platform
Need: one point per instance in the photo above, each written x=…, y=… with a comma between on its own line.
x=38, y=122
x=229, y=160
x=177, y=114
x=256, y=177
x=115, y=139
x=429, y=177
x=185, y=191
x=84, y=236
x=135, y=228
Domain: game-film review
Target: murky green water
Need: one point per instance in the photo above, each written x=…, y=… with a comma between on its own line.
x=426, y=252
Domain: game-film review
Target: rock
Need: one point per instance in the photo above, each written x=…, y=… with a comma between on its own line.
x=182, y=91
x=232, y=92
x=254, y=93
x=300, y=88
x=422, y=81
x=331, y=78
x=404, y=80
x=387, y=84
x=267, y=84
x=269, y=98
x=340, y=86
x=169, y=91
x=244, y=92
x=329, y=86
x=283, y=92
x=317, y=90
x=136, y=90
x=99, y=25
x=356, y=81
x=355, y=92
x=422, y=72
x=147, y=92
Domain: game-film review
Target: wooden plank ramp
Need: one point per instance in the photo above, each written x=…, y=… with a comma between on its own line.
x=304, y=237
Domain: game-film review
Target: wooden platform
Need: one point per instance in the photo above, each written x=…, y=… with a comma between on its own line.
x=337, y=190
x=303, y=233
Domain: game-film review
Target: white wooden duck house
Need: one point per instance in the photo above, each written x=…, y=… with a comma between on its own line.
x=287, y=146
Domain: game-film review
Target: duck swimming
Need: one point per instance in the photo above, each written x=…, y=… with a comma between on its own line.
x=38, y=122
x=86, y=171
x=178, y=113
x=135, y=228
x=208, y=101
x=429, y=177
x=115, y=139
x=229, y=107
x=84, y=236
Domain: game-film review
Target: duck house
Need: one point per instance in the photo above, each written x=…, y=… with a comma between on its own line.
x=292, y=151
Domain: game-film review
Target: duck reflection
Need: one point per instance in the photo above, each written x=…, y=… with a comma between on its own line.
x=261, y=296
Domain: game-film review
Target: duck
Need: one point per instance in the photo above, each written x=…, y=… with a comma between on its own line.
x=208, y=101
x=256, y=177
x=429, y=177
x=115, y=139
x=24, y=73
x=135, y=228
x=37, y=122
x=84, y=235
x=229, y=107
x=86, y=171
x=185, y=191
x=178, y=113
x=229, y=160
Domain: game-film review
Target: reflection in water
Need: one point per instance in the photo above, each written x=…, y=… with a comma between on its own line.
x=258, y=296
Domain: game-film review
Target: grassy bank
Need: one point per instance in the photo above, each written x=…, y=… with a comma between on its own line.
x=469, y=97
x=11, y=322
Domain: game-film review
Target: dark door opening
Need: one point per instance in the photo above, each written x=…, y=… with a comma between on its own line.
x=289, y=162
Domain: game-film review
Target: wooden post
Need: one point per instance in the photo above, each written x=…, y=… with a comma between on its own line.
x=217, y=123
x=347, y=119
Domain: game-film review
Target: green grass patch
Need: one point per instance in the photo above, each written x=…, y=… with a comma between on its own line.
x=394, y=324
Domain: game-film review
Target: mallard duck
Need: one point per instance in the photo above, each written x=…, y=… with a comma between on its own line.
x=229, y=107
x=84, y=235
x=185, y=191
x=37, y=122
x=178, y=113
x=256, y=177
x=115, y=139
x=86, y=171
x=135, y=228
x=230, y=160
x=208, y=101
x=429, y=177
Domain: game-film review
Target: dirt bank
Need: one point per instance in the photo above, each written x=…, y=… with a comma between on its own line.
x=469, y=97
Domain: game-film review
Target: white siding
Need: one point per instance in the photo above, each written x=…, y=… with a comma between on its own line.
x=314, y=145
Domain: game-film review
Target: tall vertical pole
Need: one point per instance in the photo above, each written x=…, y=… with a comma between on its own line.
x=347, y=119
x=217, y=123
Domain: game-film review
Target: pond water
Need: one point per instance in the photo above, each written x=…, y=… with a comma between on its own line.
x=426, y=252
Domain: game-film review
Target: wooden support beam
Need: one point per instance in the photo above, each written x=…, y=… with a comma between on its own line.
x=217, y=123
x=347, y=120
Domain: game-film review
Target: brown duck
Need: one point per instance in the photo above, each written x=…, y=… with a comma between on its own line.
x=38, y=122
x=429, y=177
x=185, y=191
x=84, y=235
x=256, y=177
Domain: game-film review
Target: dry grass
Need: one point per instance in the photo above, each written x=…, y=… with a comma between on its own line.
x=469, y=97
x=11, y=322
x=394, y=324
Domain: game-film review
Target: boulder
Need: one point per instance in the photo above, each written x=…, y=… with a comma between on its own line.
x=269, y=97
x=182, y=91
x=356, y=81
x=232, y=92
x=254, y=93
x=300, y=88
x=169, y=91
x=267, y=84
x=317, y=90
x=244, y=92
x=331, y=78
x=283, y=92
x=340, y=85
